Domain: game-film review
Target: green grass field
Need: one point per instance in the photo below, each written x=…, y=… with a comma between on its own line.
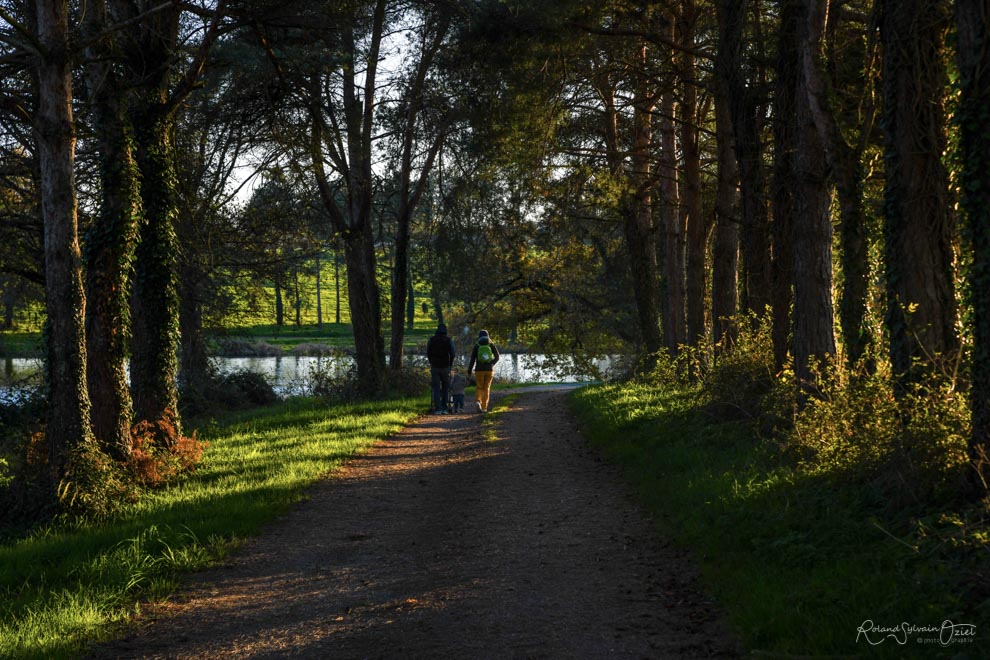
x=65, y=586
x=799, y=563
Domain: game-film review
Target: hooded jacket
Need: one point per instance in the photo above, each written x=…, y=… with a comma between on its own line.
x=440, y=349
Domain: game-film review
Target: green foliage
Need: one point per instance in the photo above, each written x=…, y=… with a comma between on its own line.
x=909, y=451
x=95, y=487
x=65, y=585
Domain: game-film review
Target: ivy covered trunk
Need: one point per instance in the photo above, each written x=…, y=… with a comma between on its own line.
x=974, y=116
x=65, y=364
x=109, y=249
x=155, y=311
x=921, y=309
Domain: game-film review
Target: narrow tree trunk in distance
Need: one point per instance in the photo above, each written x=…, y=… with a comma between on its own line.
x=279, y=304
x=974, y=68
x=918, y=228
x=319, y=294
x=336, y=284
x=65, y=368
x=411, y=307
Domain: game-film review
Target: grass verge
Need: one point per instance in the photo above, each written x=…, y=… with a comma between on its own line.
x=65, y=587
x=799, y=562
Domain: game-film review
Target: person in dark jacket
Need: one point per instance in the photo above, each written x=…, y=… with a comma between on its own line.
x=484, y=355
x=440, y=353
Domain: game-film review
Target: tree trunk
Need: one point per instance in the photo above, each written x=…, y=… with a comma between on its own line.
x=411, y=307
x=844, y=162
x=411, y=192
x=366, y=320
x=297, y=297
x=194, y=363
x=918, y=229
x=155, y=311
x=814, y=337
x=54, y=129
x=279, y=304
x=673, y=292
x=109, y=248
x=695, y=222
x=785, y=180
x=973, y=57
x=725, y=252
x=400, y=286
x=639, y=221
x=336, y=285
x=745, y=110
x=319, y=294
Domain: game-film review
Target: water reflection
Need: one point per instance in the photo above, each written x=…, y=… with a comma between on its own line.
x=289, y=374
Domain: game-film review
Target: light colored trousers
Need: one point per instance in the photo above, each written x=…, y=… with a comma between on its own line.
x=483, y=384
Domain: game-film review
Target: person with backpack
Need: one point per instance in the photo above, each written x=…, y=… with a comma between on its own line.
x=440, y=353
x=484, y=355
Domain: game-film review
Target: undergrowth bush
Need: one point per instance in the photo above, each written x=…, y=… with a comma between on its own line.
x=909, y=450
x=160, y=453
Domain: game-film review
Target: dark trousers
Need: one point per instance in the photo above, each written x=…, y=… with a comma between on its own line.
x=440, y=384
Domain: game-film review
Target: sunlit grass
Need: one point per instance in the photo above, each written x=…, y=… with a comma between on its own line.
x=63, y=587
x=797, y=560
x=490, y=423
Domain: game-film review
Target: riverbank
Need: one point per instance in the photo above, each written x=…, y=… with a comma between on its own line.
x=268, y=341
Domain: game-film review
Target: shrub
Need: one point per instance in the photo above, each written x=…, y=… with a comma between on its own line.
x=334, y=379
x=159, y=453
x=95, y=486
x=908, y=450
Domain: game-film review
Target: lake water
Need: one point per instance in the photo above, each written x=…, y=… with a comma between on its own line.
x=289, y=374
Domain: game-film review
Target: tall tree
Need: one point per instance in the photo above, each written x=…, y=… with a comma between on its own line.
x=697, y=223
x=110, y=242
x=785, y=181
x=973, y=58
x=725, y=250
x=743, y=79
x=69, y=405
x=414, y=170
x=814, y=338
x=342, y=136
x=921, y=309
x=150, y=38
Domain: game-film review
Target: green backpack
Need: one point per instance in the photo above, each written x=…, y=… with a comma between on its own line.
x=485, y=355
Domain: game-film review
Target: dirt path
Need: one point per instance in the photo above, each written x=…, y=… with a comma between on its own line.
x=437, y=542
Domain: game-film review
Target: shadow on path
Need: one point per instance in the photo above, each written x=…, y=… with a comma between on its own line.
x=437, y=542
